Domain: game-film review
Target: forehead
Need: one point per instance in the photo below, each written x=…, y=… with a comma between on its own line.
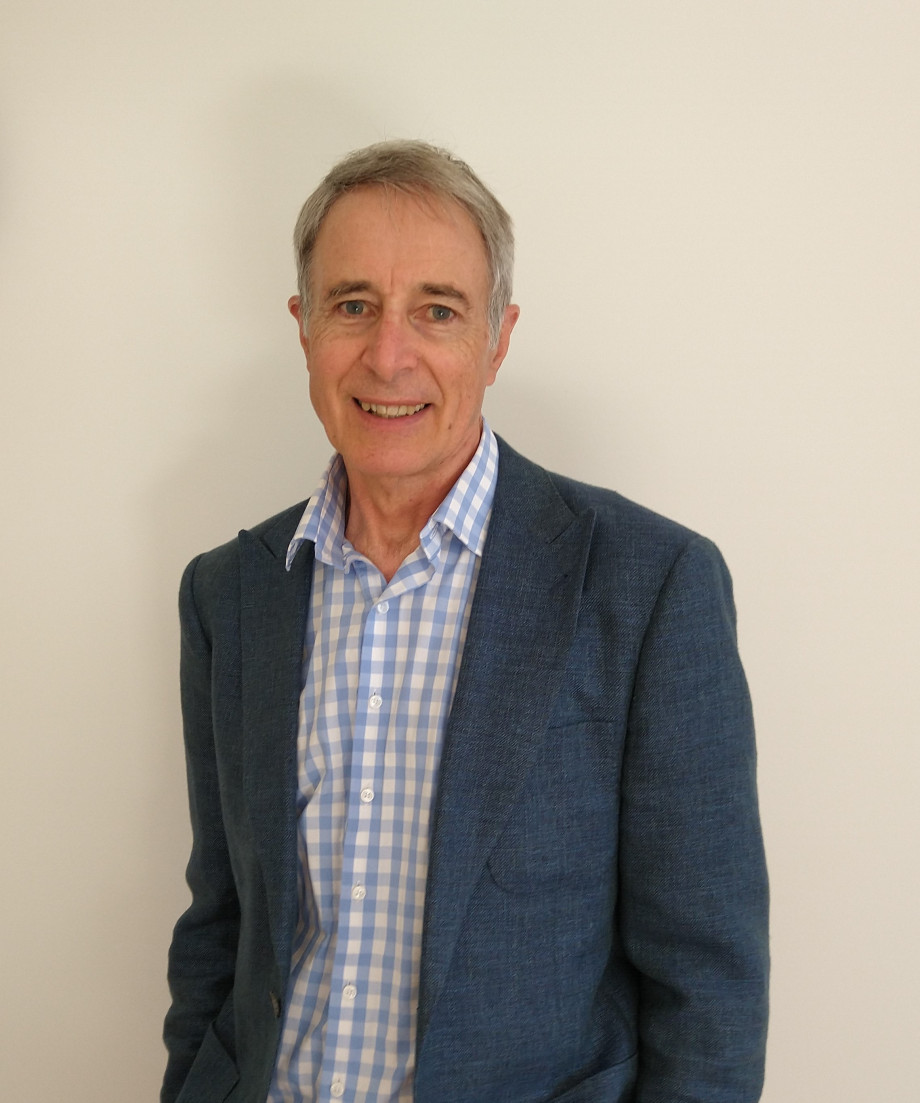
x=380, y=228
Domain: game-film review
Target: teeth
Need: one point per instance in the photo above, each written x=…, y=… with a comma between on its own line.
x=390, y=411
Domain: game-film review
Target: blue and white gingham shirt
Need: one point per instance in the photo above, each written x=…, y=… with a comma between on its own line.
x=380, y=667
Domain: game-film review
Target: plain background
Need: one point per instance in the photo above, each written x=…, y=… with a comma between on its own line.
x=717, y=208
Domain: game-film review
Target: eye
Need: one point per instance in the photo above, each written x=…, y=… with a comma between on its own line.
x=440, y=313
x=353, y=307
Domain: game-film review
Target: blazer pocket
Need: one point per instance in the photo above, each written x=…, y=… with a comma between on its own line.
x=213, y=1074
x=613, y=1085
x=562, y=831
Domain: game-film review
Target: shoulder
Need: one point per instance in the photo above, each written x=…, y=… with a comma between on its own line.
x=638, y=564
x=210, y=574
x=623, y=529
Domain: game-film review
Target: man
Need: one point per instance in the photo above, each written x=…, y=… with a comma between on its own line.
x=470, y=757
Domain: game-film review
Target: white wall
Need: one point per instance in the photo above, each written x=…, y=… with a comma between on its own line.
x=719, y=241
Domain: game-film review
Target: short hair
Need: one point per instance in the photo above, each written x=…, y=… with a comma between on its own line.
x=413, y=168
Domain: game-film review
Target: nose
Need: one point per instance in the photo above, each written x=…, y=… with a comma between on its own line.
x=391, y=345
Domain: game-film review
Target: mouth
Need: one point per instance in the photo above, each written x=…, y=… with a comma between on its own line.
x=378, y=409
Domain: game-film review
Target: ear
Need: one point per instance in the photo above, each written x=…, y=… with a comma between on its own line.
x=294, y=306
x=512, y=313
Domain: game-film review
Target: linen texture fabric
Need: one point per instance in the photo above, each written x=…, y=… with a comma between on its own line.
x=595, y=909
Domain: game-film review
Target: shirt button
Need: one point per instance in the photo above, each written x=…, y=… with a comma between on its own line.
x=376, y=701
x=349, y=991
x=382, y=607
x=358, y=892
x=337, y=1089
x=367, y=794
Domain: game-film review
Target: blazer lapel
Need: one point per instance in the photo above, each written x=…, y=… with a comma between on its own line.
x=521, y=627
x=273, y=610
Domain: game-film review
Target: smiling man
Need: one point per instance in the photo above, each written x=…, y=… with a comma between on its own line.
x=470, y=756
x=399, y=349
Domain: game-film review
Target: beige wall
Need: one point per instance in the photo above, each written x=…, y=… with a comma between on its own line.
x=717, y=211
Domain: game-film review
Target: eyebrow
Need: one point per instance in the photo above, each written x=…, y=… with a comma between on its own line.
x=349, y=288
x=445, y=291
x=440, y=290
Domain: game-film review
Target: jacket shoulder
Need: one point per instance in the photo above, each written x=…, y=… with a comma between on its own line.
x=613, y=509
x=210, y=573
x=617, y=519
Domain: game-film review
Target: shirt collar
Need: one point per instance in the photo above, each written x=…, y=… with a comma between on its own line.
x=465, y=511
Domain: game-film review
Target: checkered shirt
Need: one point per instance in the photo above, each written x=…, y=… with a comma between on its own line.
x=380, y=668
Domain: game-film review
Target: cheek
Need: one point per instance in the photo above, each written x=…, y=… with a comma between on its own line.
x=319, y=391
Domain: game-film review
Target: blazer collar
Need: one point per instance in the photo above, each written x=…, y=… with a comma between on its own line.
x=521, y=627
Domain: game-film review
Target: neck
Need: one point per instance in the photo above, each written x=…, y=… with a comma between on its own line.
x=384, y=515
x=384, y=522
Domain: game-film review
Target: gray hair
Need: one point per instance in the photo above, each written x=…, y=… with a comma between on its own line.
x=413, y=168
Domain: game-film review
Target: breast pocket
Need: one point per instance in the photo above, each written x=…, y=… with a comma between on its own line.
x=562, y=831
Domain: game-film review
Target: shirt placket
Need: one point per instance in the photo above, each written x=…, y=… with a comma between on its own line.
x=366, y=872
x=361, y=880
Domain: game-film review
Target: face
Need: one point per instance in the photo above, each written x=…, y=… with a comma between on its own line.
x=398, y=345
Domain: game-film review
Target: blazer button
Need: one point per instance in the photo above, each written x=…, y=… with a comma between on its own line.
x=276, y=1004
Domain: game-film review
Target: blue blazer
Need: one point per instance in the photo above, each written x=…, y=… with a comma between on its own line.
x=595, y=923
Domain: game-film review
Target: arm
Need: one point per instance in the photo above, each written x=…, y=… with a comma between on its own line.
x=693, y=880
x=203, y=952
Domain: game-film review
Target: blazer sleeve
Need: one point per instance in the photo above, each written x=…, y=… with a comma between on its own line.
x=693, y=903
x=203, y=951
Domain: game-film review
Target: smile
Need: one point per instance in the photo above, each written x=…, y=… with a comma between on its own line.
x=390, y=411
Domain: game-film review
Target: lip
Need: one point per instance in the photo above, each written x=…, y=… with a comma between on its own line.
x=388, y=401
